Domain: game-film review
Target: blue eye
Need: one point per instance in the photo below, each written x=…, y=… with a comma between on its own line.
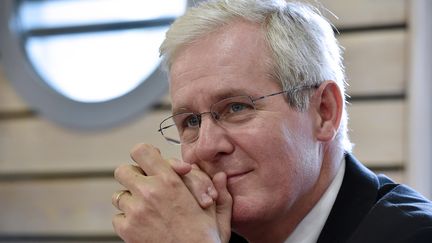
x=237, y=107
x=192, y=121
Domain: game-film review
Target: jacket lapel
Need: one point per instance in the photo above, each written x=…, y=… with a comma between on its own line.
x=357, y=195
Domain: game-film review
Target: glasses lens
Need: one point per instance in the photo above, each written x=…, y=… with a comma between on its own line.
x=181, y=128
x=234, y=110
x=184, y=128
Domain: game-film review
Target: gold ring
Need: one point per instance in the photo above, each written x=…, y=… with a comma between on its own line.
x=117, y=199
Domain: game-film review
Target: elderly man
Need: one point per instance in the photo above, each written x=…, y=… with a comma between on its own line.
x=258, y=106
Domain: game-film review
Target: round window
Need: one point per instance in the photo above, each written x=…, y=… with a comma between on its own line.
x=86, y=64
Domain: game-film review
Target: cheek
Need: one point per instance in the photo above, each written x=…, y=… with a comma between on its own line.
x=270, y=146
x=304, y=154
x=284, y=151
x=283, y=139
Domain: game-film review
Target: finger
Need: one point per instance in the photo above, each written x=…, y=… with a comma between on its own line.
x=179, y=166
x=150, y=160
x=118, y=222
x=211, y=190
x=130, y=176
x=119, y=198
x=201, y=187
x=224, y=204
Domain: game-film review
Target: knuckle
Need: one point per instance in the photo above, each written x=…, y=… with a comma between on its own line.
x=116, y=172
x=114, y=199
x=170, y=181
x=119, y=227
x=125, y=231
x=120, y=171
x=147, y=193
x=136, y=151
x=142, y=149
x=135, y=211
x=139, y=213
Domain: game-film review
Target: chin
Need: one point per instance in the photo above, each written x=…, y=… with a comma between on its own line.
x=254, y=211
x=245, y=211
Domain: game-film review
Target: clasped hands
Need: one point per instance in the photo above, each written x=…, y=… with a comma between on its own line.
x=170, y=201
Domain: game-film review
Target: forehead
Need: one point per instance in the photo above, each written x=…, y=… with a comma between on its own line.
x=231, y=61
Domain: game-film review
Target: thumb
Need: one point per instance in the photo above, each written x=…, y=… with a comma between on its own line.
x=224, y=205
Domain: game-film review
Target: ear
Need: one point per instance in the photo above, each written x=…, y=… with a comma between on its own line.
x=327, y=107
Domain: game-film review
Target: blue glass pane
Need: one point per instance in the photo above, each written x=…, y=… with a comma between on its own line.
x=96, y=67
x=60, y=13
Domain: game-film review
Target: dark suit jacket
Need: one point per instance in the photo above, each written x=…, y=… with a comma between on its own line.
x=371, y=208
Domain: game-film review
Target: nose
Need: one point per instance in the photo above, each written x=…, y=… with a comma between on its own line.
x=213, y=140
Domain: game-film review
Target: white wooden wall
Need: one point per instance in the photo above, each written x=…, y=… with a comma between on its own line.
x=56, y=184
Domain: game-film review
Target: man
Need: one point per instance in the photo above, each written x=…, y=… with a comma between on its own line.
x=257, y=90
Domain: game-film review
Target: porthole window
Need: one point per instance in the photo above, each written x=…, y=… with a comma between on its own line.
x=86, y=63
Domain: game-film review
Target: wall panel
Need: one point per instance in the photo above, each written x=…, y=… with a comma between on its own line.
x=36, y=145
x=364, y=13
x=44, y=207
x=56, y=184
x=377, y=130
x=375, y=62
x=9, y=99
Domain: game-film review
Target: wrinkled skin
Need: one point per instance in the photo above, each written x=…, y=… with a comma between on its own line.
x=279, y=163
x=159, y=206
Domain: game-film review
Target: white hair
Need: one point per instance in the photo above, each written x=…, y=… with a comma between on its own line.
x=304, y=49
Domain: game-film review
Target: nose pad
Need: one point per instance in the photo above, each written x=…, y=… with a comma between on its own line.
x=211, y=140
x=214, y=118
x=215, y=115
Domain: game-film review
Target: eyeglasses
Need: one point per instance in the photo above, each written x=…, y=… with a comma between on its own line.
x=183, y=128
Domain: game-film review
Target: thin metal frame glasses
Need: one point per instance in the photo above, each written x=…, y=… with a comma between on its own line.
x=183, y=128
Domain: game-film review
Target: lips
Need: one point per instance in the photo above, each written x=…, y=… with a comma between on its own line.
x=235, y=177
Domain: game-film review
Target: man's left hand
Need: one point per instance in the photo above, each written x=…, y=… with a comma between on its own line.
x=157, y=206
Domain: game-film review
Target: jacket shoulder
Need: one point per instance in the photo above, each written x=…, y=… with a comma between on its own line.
x=400, y=214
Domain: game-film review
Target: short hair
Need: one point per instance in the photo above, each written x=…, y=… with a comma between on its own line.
x=301, y=41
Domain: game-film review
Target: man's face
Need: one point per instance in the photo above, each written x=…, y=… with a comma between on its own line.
x=271, y=160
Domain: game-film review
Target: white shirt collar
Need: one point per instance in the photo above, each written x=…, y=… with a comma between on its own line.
x=310, y=227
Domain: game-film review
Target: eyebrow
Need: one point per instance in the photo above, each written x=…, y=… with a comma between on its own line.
x=179, y=110
x=217, y=96
x=223, y=94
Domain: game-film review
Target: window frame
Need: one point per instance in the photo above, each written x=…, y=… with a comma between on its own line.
x=53, y=105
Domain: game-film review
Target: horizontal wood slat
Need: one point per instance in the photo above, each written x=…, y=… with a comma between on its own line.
x=59, y=239
x=375, y=62
x=36, y=145
x=63, y=207
x=378, y=130
x=355, y=13
x=9, y=99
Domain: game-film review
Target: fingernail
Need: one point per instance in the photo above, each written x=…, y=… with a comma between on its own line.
x=206, y=199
